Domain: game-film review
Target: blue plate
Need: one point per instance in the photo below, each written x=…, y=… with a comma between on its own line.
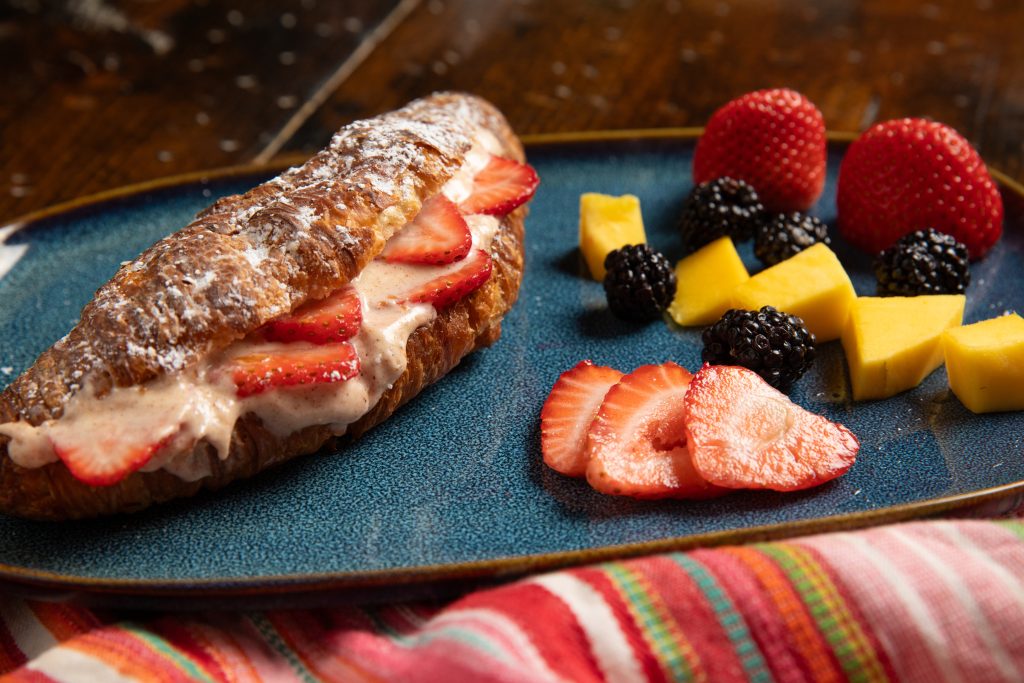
x=452, y=486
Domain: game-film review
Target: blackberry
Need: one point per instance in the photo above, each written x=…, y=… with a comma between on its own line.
x=718, y=208
x=787, y=234
x=773, y=344
x=639, y=282
x=923, y=262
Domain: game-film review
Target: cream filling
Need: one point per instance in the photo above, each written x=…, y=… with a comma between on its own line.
x=194, y=405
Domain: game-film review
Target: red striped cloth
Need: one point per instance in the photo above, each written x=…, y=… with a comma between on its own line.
x=929, y=601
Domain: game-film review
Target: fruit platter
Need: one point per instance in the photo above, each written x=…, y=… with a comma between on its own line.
x=662, y=432
x=901, y=406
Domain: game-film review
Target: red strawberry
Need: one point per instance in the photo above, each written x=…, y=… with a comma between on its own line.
x=774, y=140
x=275, y=366
x=637, y=446
x=568, y=413
x=743, y=433
x=911, y=174
x=437, y=235
x=452, y=282
x=328, y=321
x=106, y=458
x=503, y=185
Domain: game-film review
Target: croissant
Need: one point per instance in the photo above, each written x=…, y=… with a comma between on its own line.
x=308, y=308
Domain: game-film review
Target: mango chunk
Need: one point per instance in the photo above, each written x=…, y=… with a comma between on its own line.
x=811, y=285
x=608, y=223
x=893, y=343
x=985, y=364
x=705, y=281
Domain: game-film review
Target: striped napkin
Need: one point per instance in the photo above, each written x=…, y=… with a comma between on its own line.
x=927, y=601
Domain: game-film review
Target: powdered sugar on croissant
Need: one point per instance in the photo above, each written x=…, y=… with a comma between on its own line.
x=164, y=336
x=252, y=257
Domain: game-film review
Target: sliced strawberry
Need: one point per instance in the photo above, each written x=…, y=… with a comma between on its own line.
x=275, y=366
x=437, y=235
x=568, y=412
x=503, y=185
x=636, y=445
x=105, y=458
x=745, y=434
x=328, y=321
x=452, y=282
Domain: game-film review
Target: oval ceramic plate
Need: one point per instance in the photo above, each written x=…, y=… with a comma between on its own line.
x=452, y=486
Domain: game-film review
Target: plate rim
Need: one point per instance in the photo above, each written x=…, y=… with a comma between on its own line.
x=283, y=161
x=495, y=568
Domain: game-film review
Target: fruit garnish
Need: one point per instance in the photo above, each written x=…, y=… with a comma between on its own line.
x=500, y=187
x=639, y=283
x=107, y=457
x=637, y=444
x=109, y=460
x=608, y=223
x=568, y=413
x=893, y=343
x=328, y=321
x=811, y=285
x=438, y=235
x=985, y=364
x=775, y=345
x=277, y=366
x=910, y=174
x=705, y=281
x=453, y=281
x=742, y=433
x=723, y=207
x=923, y=262
x=785, y=235
x=772, y=139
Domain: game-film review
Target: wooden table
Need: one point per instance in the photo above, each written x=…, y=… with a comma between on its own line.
x=94, y=95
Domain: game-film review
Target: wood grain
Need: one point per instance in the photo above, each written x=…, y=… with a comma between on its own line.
x=90, y=101
x=97, y=95
x=560, y=66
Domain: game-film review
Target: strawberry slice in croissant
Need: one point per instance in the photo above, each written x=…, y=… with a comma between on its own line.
x=310, y=307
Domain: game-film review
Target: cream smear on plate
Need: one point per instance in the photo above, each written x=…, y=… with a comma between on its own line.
x=196, y=404
x=10, y=255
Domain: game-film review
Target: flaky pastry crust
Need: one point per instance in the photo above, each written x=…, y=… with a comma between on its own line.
x=260, y=255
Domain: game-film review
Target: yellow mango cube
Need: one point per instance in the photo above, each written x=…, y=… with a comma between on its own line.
x=608, y=223
x=893, y=343
x=811, y=285
x=985, y=364
x=705, y=281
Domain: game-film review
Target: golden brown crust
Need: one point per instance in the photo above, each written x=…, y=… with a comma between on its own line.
x=253, y=257
x=50, y=492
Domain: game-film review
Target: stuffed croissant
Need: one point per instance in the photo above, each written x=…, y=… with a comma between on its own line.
x=310, y=307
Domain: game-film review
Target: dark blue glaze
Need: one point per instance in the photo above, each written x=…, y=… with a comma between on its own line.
x=456, y=475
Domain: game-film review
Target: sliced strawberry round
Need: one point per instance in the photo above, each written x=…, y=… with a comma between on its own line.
x=274, y=366
x=328, y=321
x=437, y=235
x=106, y=458
x=743, y=433
x=568, y=413
x=636, y=445
x=452, y=282
x=500, y=187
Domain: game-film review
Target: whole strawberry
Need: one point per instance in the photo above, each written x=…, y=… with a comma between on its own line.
x=910, y=174
x=772, y=139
